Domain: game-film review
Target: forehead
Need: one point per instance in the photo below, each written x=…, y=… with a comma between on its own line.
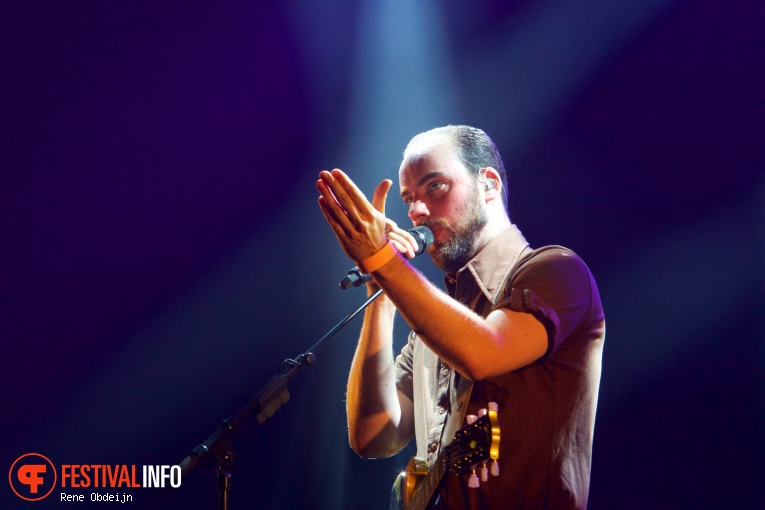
x=435, y=153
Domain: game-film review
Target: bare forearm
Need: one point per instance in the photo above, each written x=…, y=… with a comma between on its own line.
x=476, y=347
x=374, y=411
x=436, y=318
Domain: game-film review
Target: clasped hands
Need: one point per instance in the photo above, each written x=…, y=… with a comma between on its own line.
x=361, y=227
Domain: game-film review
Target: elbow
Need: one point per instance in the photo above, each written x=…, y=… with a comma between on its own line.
x=360, y=447
x=480, y=370
x=370, y=450
x=475, y=372
x=474, y=376
x=372, y=446
x=364, y=450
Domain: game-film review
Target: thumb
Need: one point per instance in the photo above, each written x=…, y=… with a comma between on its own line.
x=381, y=194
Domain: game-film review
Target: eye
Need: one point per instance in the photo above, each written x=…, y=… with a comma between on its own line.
x=434, y=186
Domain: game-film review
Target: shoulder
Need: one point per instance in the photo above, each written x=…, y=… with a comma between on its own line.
x=552, y=263
x=560, y=278
x=554, y=284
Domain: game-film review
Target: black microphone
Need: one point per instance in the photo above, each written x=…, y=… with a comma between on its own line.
x=422, y=235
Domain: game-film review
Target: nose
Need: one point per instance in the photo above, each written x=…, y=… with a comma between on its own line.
x=418, y=210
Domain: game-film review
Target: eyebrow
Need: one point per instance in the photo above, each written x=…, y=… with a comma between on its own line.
x=423, y=180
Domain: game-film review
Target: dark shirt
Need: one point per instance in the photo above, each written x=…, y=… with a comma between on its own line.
x=547, y=409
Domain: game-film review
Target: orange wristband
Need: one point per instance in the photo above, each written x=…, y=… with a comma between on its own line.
x=379, y=259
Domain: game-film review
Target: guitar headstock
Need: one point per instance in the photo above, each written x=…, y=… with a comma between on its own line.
x=477, y=442
x=474, y=444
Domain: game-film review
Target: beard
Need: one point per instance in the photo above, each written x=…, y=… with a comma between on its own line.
x=453, y=253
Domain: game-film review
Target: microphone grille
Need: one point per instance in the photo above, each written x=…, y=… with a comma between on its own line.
x=424, y=237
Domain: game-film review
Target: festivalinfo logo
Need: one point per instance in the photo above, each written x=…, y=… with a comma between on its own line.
x=34, y=477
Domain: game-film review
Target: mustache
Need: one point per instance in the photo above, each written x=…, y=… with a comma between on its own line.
x=440, y=223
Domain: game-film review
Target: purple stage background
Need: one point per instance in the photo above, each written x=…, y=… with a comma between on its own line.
x=162, y=250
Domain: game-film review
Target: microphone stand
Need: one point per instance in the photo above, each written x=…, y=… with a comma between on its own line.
x=264, y=404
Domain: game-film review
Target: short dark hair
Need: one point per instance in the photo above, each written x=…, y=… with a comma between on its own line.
x=476, y=150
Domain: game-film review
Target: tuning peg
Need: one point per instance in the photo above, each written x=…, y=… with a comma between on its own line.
x=484, y=472
x=473, y=482
x=471, y=418
x=493, y=406
x=482, y=412
x=494, y=468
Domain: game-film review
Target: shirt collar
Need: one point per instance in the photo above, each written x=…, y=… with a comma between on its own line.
x=490, y=265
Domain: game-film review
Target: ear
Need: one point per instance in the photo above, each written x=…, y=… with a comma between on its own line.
x=492, y=184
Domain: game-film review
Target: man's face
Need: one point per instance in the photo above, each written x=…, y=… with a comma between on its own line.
x=442, y=195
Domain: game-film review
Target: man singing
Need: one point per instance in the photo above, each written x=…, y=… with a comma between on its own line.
x=518, y=326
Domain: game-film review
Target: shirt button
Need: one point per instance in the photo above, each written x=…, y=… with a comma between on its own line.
x=433, y=447
x=441, y=410
x=462, y=300
x=445, y=371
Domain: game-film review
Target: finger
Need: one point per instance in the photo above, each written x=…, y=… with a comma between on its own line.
x=358, y=201
x=339, y=194
x=381, y=195
x=402, y=248
x=329, y=214
x=326, y=179
x=407, y=247
x=332, y=208
x=392, y=231
x=337, y=228
x=347, y=194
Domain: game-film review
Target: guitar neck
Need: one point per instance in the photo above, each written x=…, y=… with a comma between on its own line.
x=428, y=486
